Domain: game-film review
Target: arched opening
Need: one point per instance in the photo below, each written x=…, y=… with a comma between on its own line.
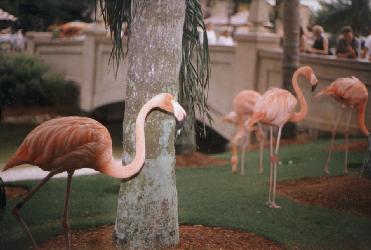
x=209, y=141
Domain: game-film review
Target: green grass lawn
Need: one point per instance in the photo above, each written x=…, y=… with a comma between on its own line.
x=210, y=196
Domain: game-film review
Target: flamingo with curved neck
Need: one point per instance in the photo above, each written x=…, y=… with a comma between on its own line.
x=276, y=107
x=115, y=168
x=307, y=72
x=351, y=93
x=70, y=143
x=243, y=105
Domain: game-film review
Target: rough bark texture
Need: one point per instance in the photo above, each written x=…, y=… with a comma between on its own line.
x=291, y=25
x=147, y=214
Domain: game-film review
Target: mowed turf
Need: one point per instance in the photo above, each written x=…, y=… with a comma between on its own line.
x=210, y=196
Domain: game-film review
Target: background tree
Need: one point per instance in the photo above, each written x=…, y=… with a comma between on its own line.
x=276, y=14
x=164, y=50
x=38, y=15
x=336, y=14
x=291, y=26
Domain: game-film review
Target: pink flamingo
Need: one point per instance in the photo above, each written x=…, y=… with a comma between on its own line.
x=70, y=143
x=350, y=92
x=275, y=108
x=243, y=104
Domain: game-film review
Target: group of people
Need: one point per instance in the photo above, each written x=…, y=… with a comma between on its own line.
x=347, y=46
x=224, y=38
x=15, y=40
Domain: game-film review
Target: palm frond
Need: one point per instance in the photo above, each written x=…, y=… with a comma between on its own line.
x=194, y=72
x=115, y=13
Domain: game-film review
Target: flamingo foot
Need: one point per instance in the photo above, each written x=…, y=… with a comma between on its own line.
x=326, y=171
x=261, y=171
x=274, y=205
x=345, y=171
x=234, y=161
x=274, y=159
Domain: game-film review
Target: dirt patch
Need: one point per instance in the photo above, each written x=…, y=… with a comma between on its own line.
x=13, y=192
x=342, y=193
x=191, y=237
x=354, y=146
x=197, y=159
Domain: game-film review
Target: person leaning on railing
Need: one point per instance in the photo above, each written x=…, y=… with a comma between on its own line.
x=347, y=46
x=320, y=45
x=366, y=52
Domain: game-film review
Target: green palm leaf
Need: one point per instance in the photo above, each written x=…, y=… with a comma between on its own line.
x=195, y=69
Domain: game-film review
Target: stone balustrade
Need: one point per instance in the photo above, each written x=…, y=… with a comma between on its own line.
x=253, y=63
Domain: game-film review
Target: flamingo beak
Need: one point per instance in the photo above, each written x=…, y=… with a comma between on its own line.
x=313, y=81
x=179, y=114
x=314, y=87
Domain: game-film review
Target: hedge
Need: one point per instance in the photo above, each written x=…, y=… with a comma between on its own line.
x=26, y=81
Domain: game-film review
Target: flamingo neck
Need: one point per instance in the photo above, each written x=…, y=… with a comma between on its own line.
x=298, y=116
x=115, y=167
x=361, y=119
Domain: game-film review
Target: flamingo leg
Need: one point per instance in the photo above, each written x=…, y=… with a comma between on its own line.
x=242, y=168
x=16, y=209
x=271, y=167
x=261, y=138
x=65, y=224
x=273, y=204
x=346, y=138
x=234, y=148
x=245, y=140
x=333, y=134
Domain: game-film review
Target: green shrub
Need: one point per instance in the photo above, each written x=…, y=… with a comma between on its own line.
x=60, y=91
x=26, y=81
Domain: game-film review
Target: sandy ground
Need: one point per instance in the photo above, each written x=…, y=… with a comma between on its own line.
x=191, y=237
x=343, y=193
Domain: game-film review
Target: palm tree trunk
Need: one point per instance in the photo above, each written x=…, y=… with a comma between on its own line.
x=291, y=26
x=147, y=214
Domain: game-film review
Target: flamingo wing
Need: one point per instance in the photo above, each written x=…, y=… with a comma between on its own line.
x=276, y=106
x=244, y=102
x=63, y=141
x=348, y=90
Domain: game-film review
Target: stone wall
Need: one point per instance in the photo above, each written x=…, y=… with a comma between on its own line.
x=84, y=60
x=254, y=63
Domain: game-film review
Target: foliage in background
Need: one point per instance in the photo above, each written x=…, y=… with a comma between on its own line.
x=336, y=14
x=195, y=70
x=115, y=13
x=26, y=81
x=38, y=15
